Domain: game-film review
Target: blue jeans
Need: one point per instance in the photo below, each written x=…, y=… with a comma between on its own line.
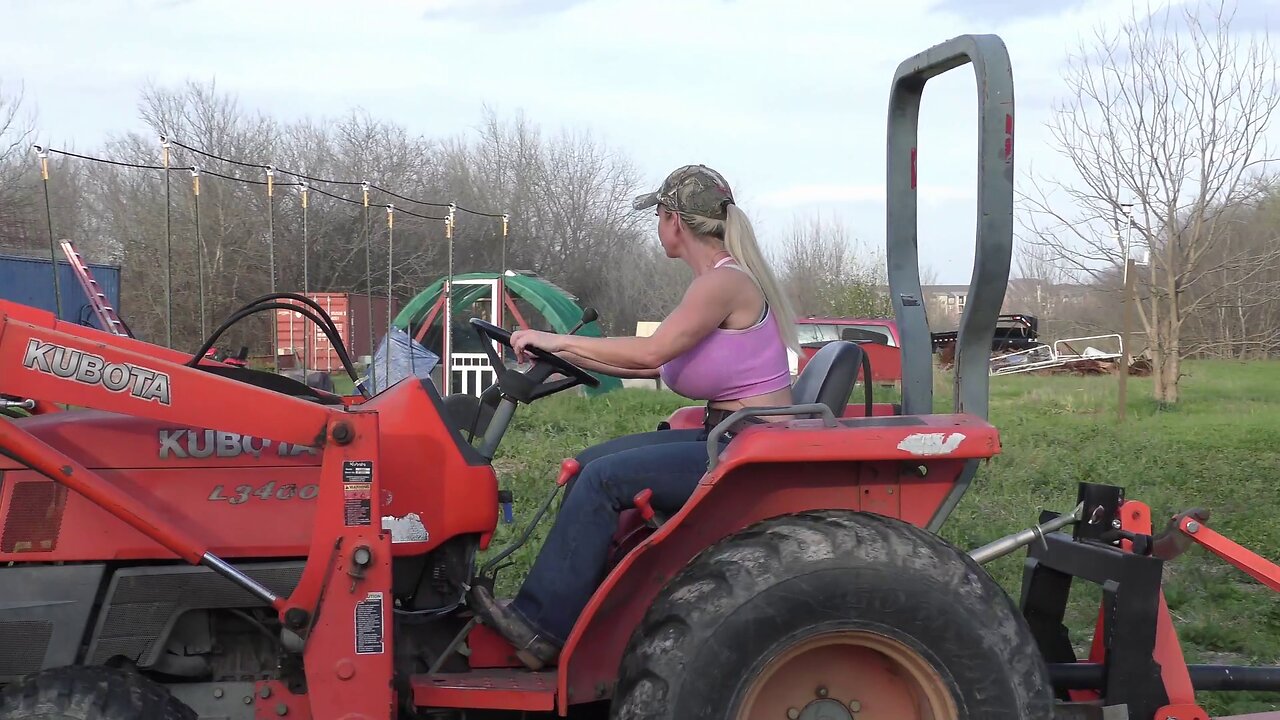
x=572, y=561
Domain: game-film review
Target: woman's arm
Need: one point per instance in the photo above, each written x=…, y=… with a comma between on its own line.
x=704, y=307
x=615, y=371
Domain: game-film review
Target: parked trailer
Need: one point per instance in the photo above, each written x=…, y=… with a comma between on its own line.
x=296, y=336
x=29, y=281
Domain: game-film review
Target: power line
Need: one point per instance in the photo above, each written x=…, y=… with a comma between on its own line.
x=331, y=181
x=206, y=171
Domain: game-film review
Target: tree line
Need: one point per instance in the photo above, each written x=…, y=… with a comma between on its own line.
x=567, y=197
x=1164, y=128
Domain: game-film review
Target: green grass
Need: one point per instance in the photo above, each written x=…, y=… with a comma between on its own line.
x=1215, y=449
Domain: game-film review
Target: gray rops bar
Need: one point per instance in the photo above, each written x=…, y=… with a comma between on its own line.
x=994, y=239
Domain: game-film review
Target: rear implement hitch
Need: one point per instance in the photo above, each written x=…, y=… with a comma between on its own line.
x=1135, y=664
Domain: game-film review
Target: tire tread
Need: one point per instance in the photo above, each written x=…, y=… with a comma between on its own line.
x=727, y=575
x=90, y=692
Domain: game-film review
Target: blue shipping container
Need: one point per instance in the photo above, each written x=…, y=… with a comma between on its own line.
x=29, y=281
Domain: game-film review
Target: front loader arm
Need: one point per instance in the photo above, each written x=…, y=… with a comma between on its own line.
x=348, y=570
x=38, y=360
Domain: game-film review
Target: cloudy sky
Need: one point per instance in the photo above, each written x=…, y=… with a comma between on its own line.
x=787, y=99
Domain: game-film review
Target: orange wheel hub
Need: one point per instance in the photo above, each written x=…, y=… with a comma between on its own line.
x=848, y=675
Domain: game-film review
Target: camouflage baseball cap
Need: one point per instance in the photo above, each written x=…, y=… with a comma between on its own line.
x=694, y=189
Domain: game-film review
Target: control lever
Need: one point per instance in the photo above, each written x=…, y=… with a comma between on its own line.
x=643, y=500
x=588, y=315
x=568, y=470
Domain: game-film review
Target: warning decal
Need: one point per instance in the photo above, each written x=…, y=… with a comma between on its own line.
x=369, y=625
x=357, y=492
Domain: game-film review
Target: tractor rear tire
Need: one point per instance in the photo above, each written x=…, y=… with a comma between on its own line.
x=90, y=693
x=833, y=615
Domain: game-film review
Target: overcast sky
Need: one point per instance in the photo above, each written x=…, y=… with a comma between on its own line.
x=787, y=99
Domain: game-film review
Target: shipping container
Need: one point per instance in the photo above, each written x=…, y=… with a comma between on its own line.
x=29, y=281
x=350, y=314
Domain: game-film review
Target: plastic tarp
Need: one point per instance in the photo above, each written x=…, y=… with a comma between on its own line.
x=398, y=356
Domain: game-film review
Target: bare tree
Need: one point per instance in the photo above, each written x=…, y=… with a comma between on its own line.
x=16, y=128
x=1167, y=119
x=827, y=272
x=568, y=197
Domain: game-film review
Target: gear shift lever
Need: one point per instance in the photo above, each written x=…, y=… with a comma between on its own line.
x=588, y=315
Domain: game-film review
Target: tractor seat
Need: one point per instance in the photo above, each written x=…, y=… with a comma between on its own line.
x=829, y=376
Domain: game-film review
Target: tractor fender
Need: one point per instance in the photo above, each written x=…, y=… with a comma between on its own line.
x=738, y=493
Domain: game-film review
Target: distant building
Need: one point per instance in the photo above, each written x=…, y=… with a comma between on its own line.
x=945, y=303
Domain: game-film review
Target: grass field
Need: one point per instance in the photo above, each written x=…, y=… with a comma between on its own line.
x=1217, y=449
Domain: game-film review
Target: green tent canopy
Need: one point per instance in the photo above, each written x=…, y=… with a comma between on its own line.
x=552, y=302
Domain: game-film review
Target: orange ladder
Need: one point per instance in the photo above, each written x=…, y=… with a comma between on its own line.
x=106, y=314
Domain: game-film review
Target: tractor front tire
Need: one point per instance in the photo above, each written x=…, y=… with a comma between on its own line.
x=833, y=616
x=90, y=693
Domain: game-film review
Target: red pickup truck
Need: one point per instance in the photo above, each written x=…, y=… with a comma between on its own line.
x=878, y=337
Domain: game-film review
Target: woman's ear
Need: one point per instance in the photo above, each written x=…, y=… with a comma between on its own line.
x=677, y=224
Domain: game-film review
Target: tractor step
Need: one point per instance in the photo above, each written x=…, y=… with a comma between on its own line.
x=492, y=689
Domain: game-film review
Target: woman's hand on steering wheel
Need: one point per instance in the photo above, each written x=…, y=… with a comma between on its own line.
x=523, y=339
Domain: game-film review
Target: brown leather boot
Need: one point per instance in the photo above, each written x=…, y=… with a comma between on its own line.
x=535, y=651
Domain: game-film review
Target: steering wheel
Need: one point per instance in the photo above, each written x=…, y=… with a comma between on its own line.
x=560, y=364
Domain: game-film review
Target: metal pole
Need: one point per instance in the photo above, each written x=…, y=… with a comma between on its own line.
x=271, y=251
x=368, y=270
x=195, y=186
x=306, y=280
x=1010, y=543
x=48, y=216
x=168, y=248
x=500, y=291
x=446, y=340
x=391, y=251
x=506, y=218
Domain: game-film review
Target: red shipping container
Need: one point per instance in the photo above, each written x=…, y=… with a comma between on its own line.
x=350, y=314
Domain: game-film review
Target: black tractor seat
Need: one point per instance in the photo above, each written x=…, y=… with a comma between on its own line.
x=828, y=378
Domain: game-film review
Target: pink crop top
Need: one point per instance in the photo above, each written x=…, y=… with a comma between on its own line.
x=732, y=364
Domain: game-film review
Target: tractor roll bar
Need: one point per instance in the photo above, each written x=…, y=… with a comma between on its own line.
x=994, y=242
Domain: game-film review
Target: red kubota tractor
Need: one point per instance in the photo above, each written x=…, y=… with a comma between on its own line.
x=193, y=539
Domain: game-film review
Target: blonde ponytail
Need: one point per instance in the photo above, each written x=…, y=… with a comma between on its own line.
x=740, y=240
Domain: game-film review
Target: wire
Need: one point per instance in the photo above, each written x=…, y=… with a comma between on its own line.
x=204, y=171
x=331, y=181
x=218, y=157
x=243, y=180
x=357, y=203
x=477, y=212
x=116, y=162
x=409, y=199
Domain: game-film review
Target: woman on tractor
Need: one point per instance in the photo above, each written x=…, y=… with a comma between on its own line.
x=726, y=343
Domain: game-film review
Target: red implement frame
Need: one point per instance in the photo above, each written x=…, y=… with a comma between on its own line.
x=1175, y=675
x=349, y=563
x=1258, y=567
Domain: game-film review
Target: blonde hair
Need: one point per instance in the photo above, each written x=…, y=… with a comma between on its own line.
x=739, y=239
